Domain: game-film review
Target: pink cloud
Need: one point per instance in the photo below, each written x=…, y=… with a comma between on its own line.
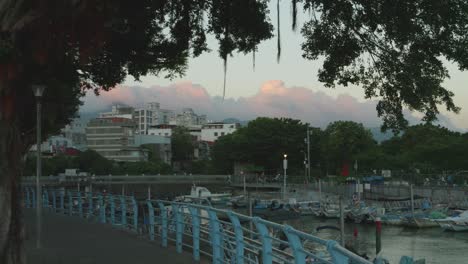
x=273, y=99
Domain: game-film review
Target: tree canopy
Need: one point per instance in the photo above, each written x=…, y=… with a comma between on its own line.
x=181, y=144
x=263, y=142
x=342, y=142
x=393, y=49
x=426, y=148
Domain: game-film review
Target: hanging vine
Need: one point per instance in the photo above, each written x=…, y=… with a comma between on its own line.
x=294, y=15
x=278, y=54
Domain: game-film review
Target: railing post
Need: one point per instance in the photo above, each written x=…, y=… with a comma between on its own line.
x=45, y=199
x=295, y=244
x=54, y=200
x=195, y=212
x=70, y=203
x=90, y=204
x=239, y=237
x=179, y=226
x=337, y=257
x=112, y=209
x=215, y=234
x=33, y=193
x=150, y=220
x=135, y=214
x=80, y=204
x=102, y=209
x=266, y=241
x=123, y=210
x=62, y=201
x=27, y=201
x=163, y=215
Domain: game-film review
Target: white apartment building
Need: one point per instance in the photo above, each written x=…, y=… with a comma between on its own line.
x=161, y=130
x=143, y=117
x=188, y=118
x=166, y=131
x=151, y=115
x=122, y=111
x=212, y=131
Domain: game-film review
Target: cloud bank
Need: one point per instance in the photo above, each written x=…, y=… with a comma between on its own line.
x=273, y=99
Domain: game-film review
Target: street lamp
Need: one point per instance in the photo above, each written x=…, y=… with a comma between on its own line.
x=285, y=167
x=38, y=91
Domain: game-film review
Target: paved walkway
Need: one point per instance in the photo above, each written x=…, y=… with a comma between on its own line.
x=72, y=240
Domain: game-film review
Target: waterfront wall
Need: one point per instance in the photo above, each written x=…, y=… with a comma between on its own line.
x=454, y=196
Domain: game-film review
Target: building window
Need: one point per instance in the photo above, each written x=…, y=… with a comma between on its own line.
x=166, y=134
x=222, y=134
x=215, y=134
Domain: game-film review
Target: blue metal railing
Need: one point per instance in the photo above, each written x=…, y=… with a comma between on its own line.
x=230, y=240
x=221, y=235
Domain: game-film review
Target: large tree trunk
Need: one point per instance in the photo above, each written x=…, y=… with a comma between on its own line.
x=11, y=153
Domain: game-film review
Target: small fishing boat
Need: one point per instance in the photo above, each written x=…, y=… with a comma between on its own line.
x=423, y=219
x=456, y=223
x=238, y=202
x=395, y=219
x=309, y=207
x=418, y=221
x=331, y=211
x=275, y=210
x=363, y=214
x=199, y=192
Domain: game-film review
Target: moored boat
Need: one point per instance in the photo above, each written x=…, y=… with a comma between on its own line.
x=309, y=207
x=457, y=223
x=199, y=192
x=275, y=210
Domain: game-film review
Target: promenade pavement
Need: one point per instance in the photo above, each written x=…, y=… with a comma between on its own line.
x=74, y=240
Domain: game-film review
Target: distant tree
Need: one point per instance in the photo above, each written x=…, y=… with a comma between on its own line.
x=343, y=141
x=182, y=145
x=264, y=142
x=92, y=162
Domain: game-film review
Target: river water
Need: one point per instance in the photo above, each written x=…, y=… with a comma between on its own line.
x=433, y=244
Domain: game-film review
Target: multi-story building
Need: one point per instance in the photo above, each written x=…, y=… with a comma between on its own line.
x=151, y=115
x=212, y=131
x=75, y=132
x=165, y=116
x=143, y=117
x=122, y=111
x=161, y=130
x=113, y=138
x=188, y=118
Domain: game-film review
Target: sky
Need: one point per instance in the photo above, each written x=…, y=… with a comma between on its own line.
x=289, y=88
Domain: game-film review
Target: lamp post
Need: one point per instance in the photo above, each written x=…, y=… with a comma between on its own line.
x=38, y=91
x=308, y=153
x=285, y=167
